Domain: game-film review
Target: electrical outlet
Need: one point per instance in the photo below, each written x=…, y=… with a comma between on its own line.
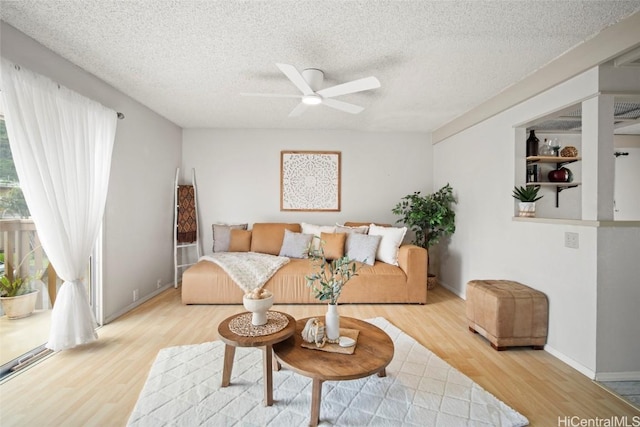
x=571, y=240
x=135, y=295
x=158, y=284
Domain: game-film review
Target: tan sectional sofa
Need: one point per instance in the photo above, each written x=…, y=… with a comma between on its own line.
x=207, y=283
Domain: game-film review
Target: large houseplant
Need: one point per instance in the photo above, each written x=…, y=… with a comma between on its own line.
x=326, y=284
x=528, y=196
x=430, y=217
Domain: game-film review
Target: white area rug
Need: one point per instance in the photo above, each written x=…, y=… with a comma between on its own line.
x=183, y=389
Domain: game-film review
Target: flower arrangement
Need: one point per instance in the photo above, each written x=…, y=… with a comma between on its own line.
x=327, y=283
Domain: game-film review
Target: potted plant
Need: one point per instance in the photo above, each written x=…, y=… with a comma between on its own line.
x=430, y=217
x=326, y=285
x=17, y=297
x=528, y=196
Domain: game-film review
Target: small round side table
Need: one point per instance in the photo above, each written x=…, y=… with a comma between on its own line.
x=233, y=340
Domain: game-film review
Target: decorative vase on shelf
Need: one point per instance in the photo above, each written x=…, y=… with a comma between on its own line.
x=532, y=144
x=332, y=323
x=546, y=150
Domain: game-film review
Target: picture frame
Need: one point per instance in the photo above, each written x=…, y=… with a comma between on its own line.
x=310, y=180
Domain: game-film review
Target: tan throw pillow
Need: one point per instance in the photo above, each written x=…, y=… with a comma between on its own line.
x=267, y=237
x=240, y=240
x=333, y=244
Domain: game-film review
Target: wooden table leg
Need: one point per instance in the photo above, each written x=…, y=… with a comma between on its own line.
x=267, y=367
x=276, y=363
x=382, y=373
x=229, y=353
x=316, y=395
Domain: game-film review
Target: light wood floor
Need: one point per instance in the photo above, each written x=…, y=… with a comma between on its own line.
x=98, y=384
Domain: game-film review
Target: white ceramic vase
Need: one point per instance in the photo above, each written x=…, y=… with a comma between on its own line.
x=332, y=322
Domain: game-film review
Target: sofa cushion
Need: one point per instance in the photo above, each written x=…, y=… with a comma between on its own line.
x=362, y=247
x=240, y=240
x=359, y=224
x=316, y=230
x=267, y=237
x=363, y=229
x=295, y=245
x=390, y=243
x=333, y=244
x=222, y=235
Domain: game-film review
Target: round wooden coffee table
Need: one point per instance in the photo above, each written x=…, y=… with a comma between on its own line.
x=373, y=352
x=233, y=340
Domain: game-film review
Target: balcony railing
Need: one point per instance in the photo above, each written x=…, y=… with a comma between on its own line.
x=22, y=250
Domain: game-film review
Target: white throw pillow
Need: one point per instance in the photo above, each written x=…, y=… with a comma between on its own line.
x=316, y=230
x=391, y=240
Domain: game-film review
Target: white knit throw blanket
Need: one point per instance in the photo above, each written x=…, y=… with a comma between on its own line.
x=250, y=270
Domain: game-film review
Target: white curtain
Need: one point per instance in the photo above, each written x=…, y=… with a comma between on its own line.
x=61, y=144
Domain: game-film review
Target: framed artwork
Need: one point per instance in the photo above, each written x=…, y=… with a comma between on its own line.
x=310, y=181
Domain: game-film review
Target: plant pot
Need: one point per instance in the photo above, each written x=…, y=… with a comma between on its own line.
x=20, y=306
x=259, y=308
x=527, y=209
x=432, y=281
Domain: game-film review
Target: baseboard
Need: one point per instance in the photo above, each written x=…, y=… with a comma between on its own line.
x=454, y=291
x=135, y=304
x=569, y=361
x=618, y=376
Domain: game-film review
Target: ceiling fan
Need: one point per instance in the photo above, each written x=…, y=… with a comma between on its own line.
x=309, y=82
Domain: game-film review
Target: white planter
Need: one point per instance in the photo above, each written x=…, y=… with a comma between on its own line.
x=20, y=306
x=332, y=323
x=259, y=308
x=527, y=209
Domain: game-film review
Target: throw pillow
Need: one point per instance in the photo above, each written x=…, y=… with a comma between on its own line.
x=362, y=247
x=222, y=235
x=316, y=230
x=295, y=245
x=390, y=243
x=333, y=244
x=363, y=229
x=240, y=240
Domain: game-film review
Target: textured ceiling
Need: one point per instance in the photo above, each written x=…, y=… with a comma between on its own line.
x=190, y=60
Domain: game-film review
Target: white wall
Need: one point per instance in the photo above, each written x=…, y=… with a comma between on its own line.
x=137, y=247
x=490, y=243
x=238, y=173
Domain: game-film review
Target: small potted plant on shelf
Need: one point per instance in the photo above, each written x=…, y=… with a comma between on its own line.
x=326, y=285
x=528, y=196
x=430, y=217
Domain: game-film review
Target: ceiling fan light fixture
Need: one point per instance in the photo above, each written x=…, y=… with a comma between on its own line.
x=312, y=99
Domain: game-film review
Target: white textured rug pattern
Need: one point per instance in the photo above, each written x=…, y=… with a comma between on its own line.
x=183, y=389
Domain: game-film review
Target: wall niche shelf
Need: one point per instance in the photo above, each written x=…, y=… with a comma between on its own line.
x=559, y=162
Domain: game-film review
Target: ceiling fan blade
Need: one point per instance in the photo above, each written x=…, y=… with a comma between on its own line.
x=342, y=106
x=300, y=108
x=270, y=95
x=354, y=86
x=295, y=77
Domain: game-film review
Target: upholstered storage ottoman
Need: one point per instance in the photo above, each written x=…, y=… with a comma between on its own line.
x=508, y=314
